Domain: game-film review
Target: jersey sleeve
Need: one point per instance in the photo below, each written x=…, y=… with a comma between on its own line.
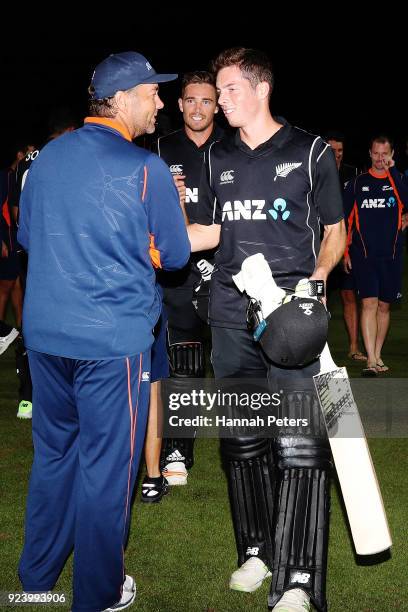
x=401, y=183
x=348, y=198
x=208, y=209
x=169, y=243
x=327, y=192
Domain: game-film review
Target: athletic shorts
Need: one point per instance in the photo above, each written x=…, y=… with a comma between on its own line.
x=380, y=278
x=9, y=267
x=346, y=281
x=159, y=358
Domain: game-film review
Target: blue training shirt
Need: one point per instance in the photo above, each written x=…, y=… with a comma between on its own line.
x=95, y=211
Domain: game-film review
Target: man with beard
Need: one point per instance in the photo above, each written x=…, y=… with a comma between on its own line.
x=97, y=215
x=184, y=151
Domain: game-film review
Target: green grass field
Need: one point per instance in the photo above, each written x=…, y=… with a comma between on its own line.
x=182, y=551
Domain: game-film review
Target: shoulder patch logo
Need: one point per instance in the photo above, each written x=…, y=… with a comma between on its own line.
x=284, y=169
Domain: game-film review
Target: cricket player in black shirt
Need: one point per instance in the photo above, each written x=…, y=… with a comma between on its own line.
x=267, y=190
x=183, y=151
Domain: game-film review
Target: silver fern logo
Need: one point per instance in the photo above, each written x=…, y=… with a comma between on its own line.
x=284, y=169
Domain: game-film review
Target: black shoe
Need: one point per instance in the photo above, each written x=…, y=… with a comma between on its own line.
x=153, y=489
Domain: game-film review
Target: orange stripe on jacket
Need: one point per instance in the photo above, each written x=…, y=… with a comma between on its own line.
x=6, y=213
x=154, y=253
x=349, y=230
x=144, y=184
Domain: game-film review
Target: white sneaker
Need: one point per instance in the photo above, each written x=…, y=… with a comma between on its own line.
x=128, y=595
x=175, y=469
x=5, y=341
x=175, y=473
x=294, y=600
x=249, y=576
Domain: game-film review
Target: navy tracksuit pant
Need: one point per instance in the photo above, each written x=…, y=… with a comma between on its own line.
x=89, y=427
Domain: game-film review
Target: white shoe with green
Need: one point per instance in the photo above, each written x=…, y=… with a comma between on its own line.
x=25, y=410
x=249, y=576
x=294, y=600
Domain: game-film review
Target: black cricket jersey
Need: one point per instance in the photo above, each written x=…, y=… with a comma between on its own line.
x=374, y=206
x=21, y=174
x=347, y=173
x=183, y=157
x=269, y=200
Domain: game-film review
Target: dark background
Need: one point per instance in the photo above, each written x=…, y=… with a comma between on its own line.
x=331, y=71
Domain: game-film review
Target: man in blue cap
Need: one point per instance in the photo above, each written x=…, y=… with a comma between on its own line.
x=97, y=214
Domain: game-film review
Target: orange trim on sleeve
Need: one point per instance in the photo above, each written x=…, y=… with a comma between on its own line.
x=6, y=213
x=350, y=229
x=154, y=253
x=144, y=183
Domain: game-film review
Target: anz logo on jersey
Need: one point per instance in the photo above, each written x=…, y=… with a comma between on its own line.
x=378, y=202
x=248, y=210
x=279, y=210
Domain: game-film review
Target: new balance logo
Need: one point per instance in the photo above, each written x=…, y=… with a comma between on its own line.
x=300, y=577
x=145, y=376
x=192, y=195
x=283, y=170
x=247, y=210
x=307, y=308
x=387, y=188
x=176, y=168
x=175, y=456
x=252, y=551
x=227, y=177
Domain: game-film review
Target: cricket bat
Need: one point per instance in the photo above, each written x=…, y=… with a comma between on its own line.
x=355, y=469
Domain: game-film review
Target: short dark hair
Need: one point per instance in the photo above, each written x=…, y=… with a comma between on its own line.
x=382, y=139
x=254, y=65
x=334, y=135
x=197, y=77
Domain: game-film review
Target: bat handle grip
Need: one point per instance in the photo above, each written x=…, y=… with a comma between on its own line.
x=326, y=360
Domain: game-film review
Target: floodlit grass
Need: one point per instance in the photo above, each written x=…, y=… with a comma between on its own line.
x=182, y=550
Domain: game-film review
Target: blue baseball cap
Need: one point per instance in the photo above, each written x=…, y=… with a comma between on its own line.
x=122, y=71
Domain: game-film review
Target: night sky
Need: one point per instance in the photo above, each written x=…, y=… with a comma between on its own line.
x=347, y=75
